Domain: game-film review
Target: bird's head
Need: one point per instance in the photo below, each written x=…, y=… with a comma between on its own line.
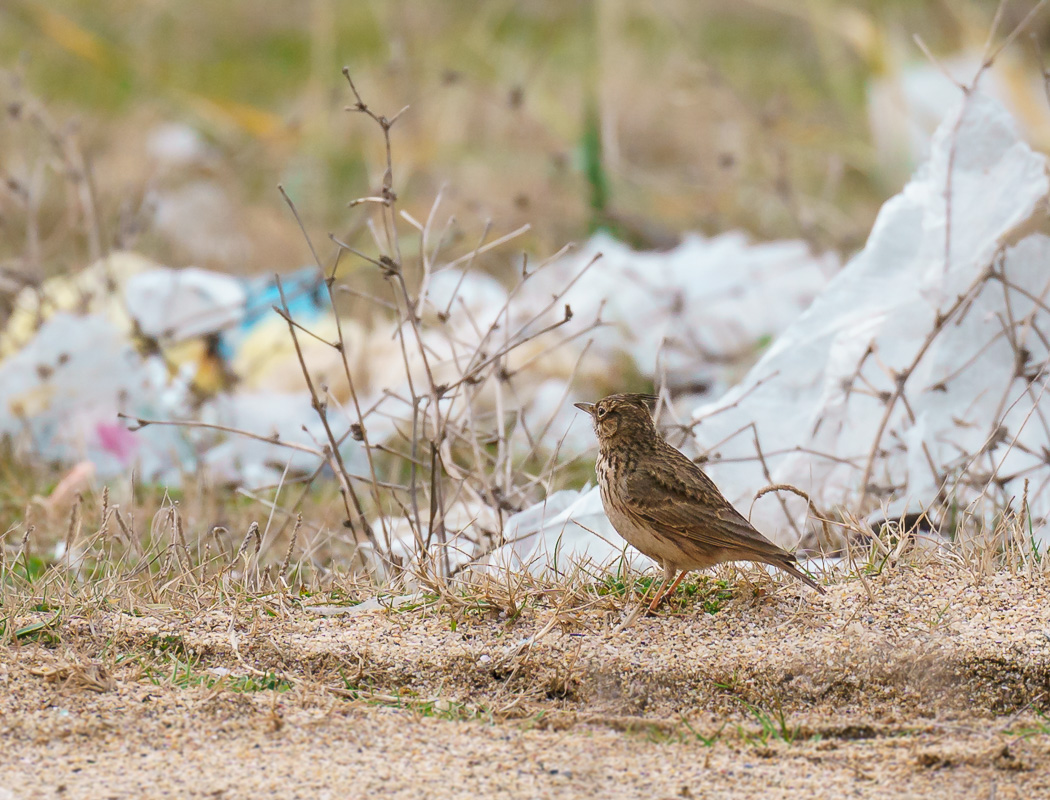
x=621, y=416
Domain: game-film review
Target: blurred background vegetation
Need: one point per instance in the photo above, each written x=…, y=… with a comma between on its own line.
x=648, y=119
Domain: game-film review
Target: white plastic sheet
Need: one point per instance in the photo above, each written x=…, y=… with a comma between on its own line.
x=873, y=392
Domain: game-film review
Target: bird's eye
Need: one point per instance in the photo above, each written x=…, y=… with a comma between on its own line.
x=601, y=412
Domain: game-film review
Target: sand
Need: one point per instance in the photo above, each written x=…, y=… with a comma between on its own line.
x=919, y=682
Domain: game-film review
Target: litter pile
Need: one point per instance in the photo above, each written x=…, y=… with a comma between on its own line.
x=128, y=336
x=916, y=382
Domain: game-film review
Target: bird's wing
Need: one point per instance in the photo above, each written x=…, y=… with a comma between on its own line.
x=677, y=497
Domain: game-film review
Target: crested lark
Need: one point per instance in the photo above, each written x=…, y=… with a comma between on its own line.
x=663, y=504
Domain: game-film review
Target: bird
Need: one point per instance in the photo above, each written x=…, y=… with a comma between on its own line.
x=664, y=505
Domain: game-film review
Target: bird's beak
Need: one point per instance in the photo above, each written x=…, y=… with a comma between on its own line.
x=588, y=407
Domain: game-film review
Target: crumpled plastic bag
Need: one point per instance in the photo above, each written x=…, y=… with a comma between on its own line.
x=687, y=316
x=60, y=396
x=566, y=531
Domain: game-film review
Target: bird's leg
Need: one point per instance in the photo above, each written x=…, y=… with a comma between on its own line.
x=678, y=580
x=669, y=573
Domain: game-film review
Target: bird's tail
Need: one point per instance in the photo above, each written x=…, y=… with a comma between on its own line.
x=788, y=565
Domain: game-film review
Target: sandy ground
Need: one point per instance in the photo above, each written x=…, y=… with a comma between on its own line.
x=914, y=683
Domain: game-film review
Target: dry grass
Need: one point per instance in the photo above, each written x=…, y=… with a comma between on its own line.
x=917, y=674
